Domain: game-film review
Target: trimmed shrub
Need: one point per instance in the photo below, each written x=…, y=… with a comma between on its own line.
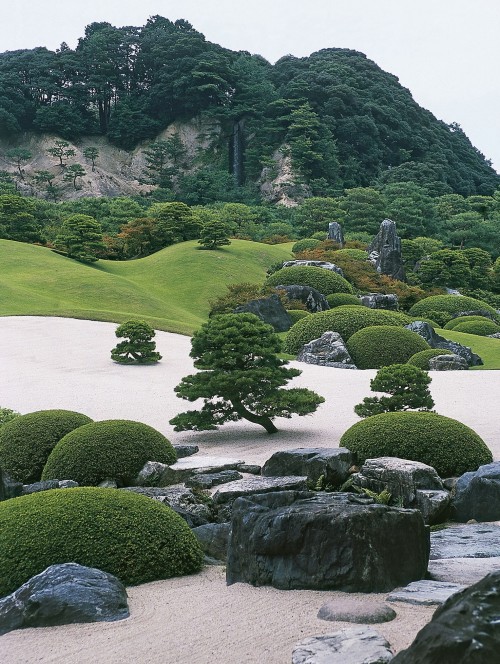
x=431, y=322
x=27, y=441
x=451, y=324
x=305, y=244
x=421, y=359
x=297, y=314
x=441, y=317
x=324, y=281
x=340, y=299
x=449, y=304
x=345, y=320
x=7, y=415
x=131, y=536
x=381, y=345
x=356, y=254
x=111, y=449
x=479, y=327
x=449, y=446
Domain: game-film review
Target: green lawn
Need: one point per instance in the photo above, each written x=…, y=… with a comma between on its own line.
x=170, y=289
x=487, y=349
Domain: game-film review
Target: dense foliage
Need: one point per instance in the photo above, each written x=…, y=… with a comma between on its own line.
x=382, y=345
x=451, y=324
x=27, y=441
x=450, y=304
x=441, y=442
x=482, y=328
x=138, y=347
x=133, y=537
x=110, y=449
x=324, y=281
x=340, y=299
x=421, y=359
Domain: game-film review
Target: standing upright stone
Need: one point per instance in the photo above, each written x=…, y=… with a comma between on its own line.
x=385, y=251
x=335, y=233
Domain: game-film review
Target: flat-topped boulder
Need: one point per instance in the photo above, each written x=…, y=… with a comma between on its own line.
x=425, y=592
x=329, y=350
x=477, y=494
x=474, y=540
x=323, y=541
x=185, y=450
x=332, y=463
x=353, y=645
x=194, y=510
x=380, y=301
x=462, y=570
x=366, y=611
x=252, y=485
x=451, y=362
x=193, y=465
x=325, y=265
x=209, y=480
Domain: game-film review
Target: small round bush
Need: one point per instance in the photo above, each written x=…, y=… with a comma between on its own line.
x=381, y=345
x=340, y=299
x=357, y=254
x=27, y=441
x=131, y=536
x=325, y=281
x=305, y=244
x=449, y=304
x=111, y=449
x=345, y=320
x=441, y=442
x=297, y=314
x=421, y=359
x=451, y=325
x=441, y=317
x=481, y=328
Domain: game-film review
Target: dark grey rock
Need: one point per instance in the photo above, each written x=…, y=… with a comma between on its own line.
x=434, y=505
x=250, y=468
x=355, y=645
x=108, y=484
x=462, y=570
x=425, y=592
x=185, y=468
x=208, y=480
x=312, y=298
x=380, y=301
x=324, y=541
x=327, y=351
x=477, y=495
x=270, y=310
x=437, y=341
x=366, y=611
x=63, y=594
x=333, y=463
x=475, y=540
x=195, y=510
x=214, y=538
x=465, y=630
x=385, y=251
x=9, y=488
x=448, y=363
x=151, y=474
x=68, y=484
x=475, y=312
x=325, y=265
x=252, y=485
x=46, y=485
x=183, y=451
x=336, y=233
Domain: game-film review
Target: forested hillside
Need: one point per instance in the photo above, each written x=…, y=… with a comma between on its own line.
x=340, y=120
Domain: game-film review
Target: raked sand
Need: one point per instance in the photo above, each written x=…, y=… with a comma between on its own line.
x=64, y=363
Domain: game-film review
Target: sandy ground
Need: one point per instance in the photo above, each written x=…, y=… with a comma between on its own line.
x=64, y=363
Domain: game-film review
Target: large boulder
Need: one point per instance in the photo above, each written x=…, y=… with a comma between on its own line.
x=477, y=494
x=437, y=341
x=63, y=594
x=323, y=541
x=9, y=488
x=325, y=265
x=313, y=462
x=448, y=363
x=194, y=509
x=465, y=630
x=312, y=298
x=354, y=645
x=385, y=251
x=213, y=539
x=380, y=301
x=270, y=310
x=327, y=351
x=336, y=233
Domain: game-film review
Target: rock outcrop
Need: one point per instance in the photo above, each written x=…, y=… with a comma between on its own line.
x=355, y=645
x=437, y=341
x=9, y=488
x=336, y=233
x=270, y=310
x=384, y=251
x=448, y=363
x=380, y=301
x=327, y=351
x=324, y=265
x=477, y=494
x=313, y=462
x=312, y=298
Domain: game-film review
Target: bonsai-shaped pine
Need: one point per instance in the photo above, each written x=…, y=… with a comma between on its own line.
x=407, y=387
x=214, y=234
x=241, y=378
x=138, y=347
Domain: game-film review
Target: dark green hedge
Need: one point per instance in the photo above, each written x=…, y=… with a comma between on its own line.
x=449, y=304
x=297, y=314
x=131, y=536
x=324, y=281
x=480, y=327
x=341, y=299
x=451, y=324
x=381, y=345
x=112, y=449
x=421, y=359
x=305, y=244
x=27, y=441
x=346, y=320
x=441, y=442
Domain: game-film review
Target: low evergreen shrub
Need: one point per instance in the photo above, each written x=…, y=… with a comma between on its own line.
x=297, y=314
x=381, y=345
x=111, y=449
x=451, y=324
x=340, y=299
x=305, y=244
x=449, y=446
x=356, y=254
x=131, y=536
x=421, y=359
x=449, y=304
x=479, y=327
x=27, y=441
x=325, y=281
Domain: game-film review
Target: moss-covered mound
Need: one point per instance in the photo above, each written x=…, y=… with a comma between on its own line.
x=480, y=327
x=341, y=299
x=449, y=304
x=112, y=449
x=345, y=320
x=451, y=324
x=27, y=441
x=324, y=281
x=441, y=442
x=356, y=254
x=305, y=244
x=131, y=536
x=381, y=345
x=421, y=359
x=297, y=314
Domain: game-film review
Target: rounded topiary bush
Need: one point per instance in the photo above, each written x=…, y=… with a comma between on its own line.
x=449, y=304
x=479, y=327
x=297, y=314
x=131, y=536
x=325, y=281
x=305, y=244
x=381, y=345
x=345, y=320
x=27, y=441
x=421, y=359
x=357, y=254
x=431, y=322
x=451, y=324
x=449, y=446
x=112, y=449
x=341, y=299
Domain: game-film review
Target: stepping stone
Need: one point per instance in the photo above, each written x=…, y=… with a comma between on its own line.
x=250, y=485
x=354, y=645
x=425, y=593
x=463, y=570
x=208, y=480
x=185, y=450
x=366, y=611
x=478, y=540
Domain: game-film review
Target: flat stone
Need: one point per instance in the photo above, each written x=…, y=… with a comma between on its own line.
x=425, y=592
x=475, y=540
x=208, y=480
x=183, y=451
x=250, y=468
x=332, y=463
x=195, y=511
x=188, y=466
x=354, y=645
x=252, y=485
x=365, y=611
x=462, y=570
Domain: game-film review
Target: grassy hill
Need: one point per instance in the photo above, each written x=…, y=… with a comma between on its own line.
x=487, y=349
x=170, y=289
